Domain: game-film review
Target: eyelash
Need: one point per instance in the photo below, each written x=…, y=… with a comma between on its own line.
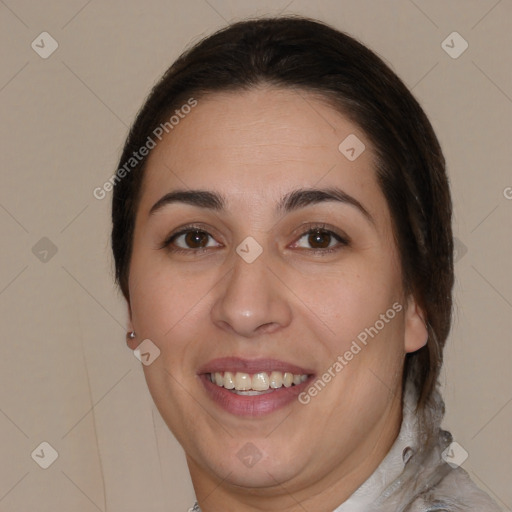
x=311, y=229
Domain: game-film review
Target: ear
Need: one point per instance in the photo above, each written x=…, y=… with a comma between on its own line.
x=416, y=333
x=131, y=342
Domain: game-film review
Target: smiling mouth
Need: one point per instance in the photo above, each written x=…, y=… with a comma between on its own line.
x=251, y=388
x=245, y=384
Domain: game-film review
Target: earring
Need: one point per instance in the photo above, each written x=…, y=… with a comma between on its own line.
x=130, y=335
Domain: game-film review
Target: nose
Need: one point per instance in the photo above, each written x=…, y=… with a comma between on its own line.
x=252, y=300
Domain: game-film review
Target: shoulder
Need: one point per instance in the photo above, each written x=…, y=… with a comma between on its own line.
x=456, y=492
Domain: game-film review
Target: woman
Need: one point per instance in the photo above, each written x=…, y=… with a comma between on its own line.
x=282, y=236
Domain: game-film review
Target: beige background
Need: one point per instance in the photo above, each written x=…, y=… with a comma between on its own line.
x=67, y=377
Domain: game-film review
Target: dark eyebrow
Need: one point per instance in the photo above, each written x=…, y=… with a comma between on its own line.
x=306, y=196
x=292, y=201
x=199, y=198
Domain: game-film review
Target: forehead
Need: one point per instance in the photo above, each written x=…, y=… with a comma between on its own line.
x=254, y=146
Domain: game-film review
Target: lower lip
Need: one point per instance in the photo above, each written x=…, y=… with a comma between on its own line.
x=256, y=405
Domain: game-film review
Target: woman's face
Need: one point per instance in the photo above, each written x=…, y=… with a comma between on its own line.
x=256, y=301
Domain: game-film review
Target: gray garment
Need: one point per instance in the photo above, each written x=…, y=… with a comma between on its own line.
x=414, y=477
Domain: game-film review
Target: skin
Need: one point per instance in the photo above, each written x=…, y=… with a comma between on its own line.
x=290, y=303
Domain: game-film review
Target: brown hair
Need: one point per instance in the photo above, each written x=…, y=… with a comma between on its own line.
x=304, y=54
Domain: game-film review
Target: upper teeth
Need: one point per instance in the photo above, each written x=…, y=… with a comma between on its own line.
x=261, y=381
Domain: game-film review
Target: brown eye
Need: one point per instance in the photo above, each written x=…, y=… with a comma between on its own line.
x=196, y=239
x=189, y=240
x=319, y=239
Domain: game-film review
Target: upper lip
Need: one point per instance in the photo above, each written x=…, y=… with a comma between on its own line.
x=251, y=366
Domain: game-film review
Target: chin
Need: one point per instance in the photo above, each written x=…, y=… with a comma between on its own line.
x=263, y=475
x=252, y=468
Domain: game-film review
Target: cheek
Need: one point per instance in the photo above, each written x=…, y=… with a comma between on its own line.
x=165, y=310
x=158, y=297
x=352, y=299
